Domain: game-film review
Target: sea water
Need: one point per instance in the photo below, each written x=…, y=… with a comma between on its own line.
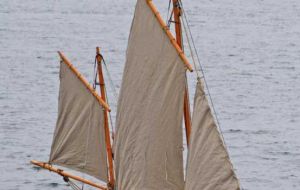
x=250, y=52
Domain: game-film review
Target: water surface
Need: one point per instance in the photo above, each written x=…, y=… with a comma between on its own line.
x=250, y=51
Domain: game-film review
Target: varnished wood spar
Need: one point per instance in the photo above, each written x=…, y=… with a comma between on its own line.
x=83, y=80
x=187, y=115
x=106, y=127
x=177, y=14
x=169, y=34
x=178, y=30
x=66, y=174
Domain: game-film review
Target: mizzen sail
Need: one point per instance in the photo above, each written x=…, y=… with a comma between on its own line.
x=148, y=144
x=209, y=166
x=79, y=141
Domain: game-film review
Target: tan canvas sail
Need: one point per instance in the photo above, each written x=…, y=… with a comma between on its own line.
x=79, y=141
x=208, y=165
x=148, y=144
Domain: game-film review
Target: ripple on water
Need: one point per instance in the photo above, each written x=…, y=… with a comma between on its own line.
x=249, y=51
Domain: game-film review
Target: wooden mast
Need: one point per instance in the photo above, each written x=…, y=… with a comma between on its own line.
x=187, y=113
x=99, y=59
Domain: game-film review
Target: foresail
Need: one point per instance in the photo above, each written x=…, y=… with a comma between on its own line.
x=208, y=165
x=79, y=141
x=148, y=145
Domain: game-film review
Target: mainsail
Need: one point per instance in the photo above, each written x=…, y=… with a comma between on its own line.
x=79, y=141
x=209, y=166
x=148, y=145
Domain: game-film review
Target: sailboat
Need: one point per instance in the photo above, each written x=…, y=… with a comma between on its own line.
x=146, y=153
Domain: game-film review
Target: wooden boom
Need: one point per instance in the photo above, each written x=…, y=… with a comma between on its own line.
x=83, y=80
x=66, y=174
x=169, y=34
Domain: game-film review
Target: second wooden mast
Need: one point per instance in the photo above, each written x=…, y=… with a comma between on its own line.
x=187, y=113
x=99, y=60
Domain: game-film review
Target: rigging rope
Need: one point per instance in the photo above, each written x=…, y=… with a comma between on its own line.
x=192, y=54
x=95, y=74
x=188, y=32
x=111, y=84
x=189, y=35
x=168, y=19
x=113, y=87
x=114, y=92
x=72, y=184
x=110, y=119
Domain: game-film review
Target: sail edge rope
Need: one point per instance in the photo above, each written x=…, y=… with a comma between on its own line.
x=185, y=21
